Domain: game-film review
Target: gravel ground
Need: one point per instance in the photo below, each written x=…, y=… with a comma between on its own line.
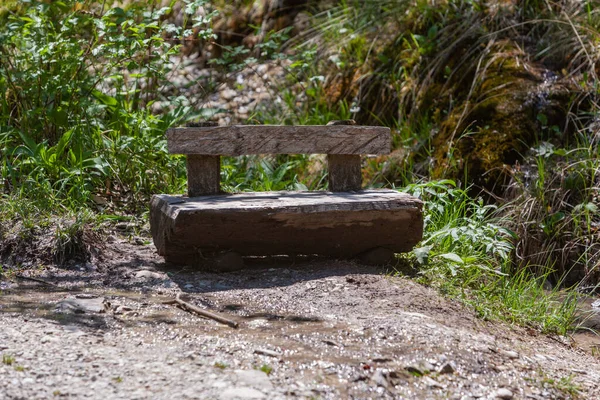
x=320, y=329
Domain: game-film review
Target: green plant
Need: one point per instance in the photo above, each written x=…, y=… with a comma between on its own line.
x=80, y=79
x=265, y=173
x=460, y=230
x=267, y=369
x=221, y=365
x=467, y=253
x=8, y=359
x=564, y=384
x=69, y=240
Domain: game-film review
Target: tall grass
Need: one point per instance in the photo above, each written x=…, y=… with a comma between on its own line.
x=466, y=253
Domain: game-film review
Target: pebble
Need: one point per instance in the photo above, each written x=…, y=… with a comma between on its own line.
x=513, y=355
x=228, y=94
x=448, y=368
x=80, y=306
x=380, y=379
x=253, y=378
x=146, y=274
x=241, y=393
x=432, y=383
x=503, y=394
x=266, y=352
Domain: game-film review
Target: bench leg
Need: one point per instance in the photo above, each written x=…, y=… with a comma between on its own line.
x=204, y=175
x=344, y=172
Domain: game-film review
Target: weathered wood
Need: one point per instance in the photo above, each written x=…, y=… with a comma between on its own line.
x=273, y=223
x=203, y=174
x=268, y=139
x=344, y=172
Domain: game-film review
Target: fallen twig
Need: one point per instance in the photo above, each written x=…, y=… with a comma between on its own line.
x=207, y=314
x=27, y=278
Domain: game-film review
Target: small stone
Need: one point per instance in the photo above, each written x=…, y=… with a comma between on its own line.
x=448, y=368
x=513, y=355
x=122, y=310
x=503, y=394
x=124, y=226
x=146, y=274
x=86, y=296
x=432, y=383
x=266, y=352
x=380, y=379
x=254, y=378
x=80, y=306
x=241, y=393
x=228, y=94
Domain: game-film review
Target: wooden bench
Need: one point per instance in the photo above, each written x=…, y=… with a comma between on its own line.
x=343, y=222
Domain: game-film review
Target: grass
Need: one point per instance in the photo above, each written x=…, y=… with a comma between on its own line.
x=565, y=385
x=466, y=254
x=8, y=359
x=267, y=369
x=221, y=365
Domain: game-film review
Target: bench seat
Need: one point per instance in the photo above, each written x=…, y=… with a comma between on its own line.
x=340, y=224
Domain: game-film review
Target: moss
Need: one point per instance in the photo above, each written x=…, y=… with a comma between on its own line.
x=496, y=126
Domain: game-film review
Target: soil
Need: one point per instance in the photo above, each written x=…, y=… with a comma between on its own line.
x=321, y=329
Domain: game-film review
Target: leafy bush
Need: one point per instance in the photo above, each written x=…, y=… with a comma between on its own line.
x=467, y=254
x=79, y=81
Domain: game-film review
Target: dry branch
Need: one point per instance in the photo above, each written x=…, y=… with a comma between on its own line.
x=207, y=314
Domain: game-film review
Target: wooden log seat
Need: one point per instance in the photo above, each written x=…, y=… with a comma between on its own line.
x=342, y=222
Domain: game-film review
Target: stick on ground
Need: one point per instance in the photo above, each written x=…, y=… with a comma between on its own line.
x=27, y=278
x=207, y=314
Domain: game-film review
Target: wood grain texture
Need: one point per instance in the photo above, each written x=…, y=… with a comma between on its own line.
x=240, y=140
x=274, y=223
x=344, y=172
x=203, y=174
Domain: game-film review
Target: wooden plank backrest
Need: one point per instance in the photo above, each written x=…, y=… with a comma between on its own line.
x=343, y=145
x=240, y=140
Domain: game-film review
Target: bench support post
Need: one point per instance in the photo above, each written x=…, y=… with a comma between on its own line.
x=203, y=174
x=344, y=172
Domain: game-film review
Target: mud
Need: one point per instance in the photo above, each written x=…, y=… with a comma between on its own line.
x=316, y=329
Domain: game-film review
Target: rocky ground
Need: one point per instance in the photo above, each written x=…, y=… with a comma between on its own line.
x=319, y=329
x=239, y=96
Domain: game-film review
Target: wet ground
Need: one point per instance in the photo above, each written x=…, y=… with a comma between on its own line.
x=316, y=329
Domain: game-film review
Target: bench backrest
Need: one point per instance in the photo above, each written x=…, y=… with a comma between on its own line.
x=343, y=145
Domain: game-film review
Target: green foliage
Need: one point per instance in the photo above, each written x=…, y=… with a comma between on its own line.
x=460, y=233
x=8, y=359
x=79, y=81
x=266, y=368
x=467, y=254
x=258, y=173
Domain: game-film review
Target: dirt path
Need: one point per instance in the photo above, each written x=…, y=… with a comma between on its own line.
x=323, y=330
